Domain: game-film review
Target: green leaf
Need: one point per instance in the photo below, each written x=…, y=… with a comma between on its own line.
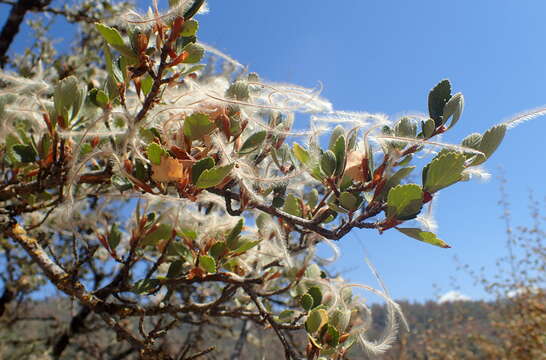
x=175, y=269
x=292, y=206
x=312, y=198
x=491, y=139
x=253, y=142
x=317, y=319
x=345, y=183
x=146, y=84
x=200, y=166
x=207, y=263
x=332, y=336
x=349, y=201
x=428, y=128
x=45, y=144
x=163, y=232
x=24, y=153
x=338, y=131
x=454, y=107
x=424, y=236
x=111, y=35
x=11, y=141
x=232, y=239
x=437, y=99
x=328, y=163
x=197, y=125
x=352, y=138
x=278, y=201
x=99, y=97
x=179, y=250
x=114, y=39
x=244, y=246
x=187, y=234
x=301, y=154
x=193, y=9
x=140, y=170
x=286, y=315
x=404, y=202
x=121, y=183
x=405, y=127
x=145, y=286
x=472, y=141
x=155, y=152
x=444, y=170
x=218, y=250
x=195, y=53
x=306, y=302
x=340, y=319
x=190, y=28
x=68, y=98
x=212, y=177
x=340, y=152
x=316, y=294
x=114, y=237
x=239, y=91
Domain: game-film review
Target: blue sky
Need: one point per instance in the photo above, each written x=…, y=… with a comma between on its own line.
x=384, y=56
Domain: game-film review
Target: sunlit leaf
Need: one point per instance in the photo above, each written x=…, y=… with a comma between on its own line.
x=301, y=154
x=197, y=125
x=114, y=237
x=155, y=152
x=163, y=232
x=316, y=294
x=454, y=107
x=306, y=302
x=253, y=142
x=233, y=236
x=195, y=52
x=213, y=177
x=443, y=171
x=424, y=236
x=316, y=319
x=207, y=263
x=437, y=99
x=200, y=166
x=292, y=205
x=190, y=28
x=404, y=201
x=328, y=162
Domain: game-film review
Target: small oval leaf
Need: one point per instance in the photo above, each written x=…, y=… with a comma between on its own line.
x=253, y=142
x=213, y=177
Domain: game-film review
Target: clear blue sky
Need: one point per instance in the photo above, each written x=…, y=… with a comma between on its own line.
x=384, y=56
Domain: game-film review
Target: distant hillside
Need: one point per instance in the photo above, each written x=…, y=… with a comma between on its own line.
x=450, y=331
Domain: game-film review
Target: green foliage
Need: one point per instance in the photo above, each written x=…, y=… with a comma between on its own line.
x=155, y=152
x=200, y=166
x=214, y=176
x=404, y=201
x=437, y=99
x=160, y=154
x=424, y=236
x=197, y=125
x=253, y=142
x=444, y=170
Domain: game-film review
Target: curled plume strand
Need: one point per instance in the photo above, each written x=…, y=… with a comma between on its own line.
x=221, y=55
x=460, y=148
x=525, y=116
